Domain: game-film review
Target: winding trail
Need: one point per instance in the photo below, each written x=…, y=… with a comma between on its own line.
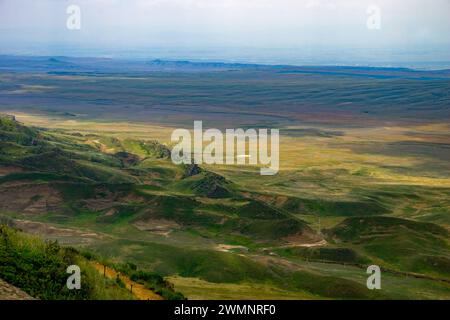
x=139, y=290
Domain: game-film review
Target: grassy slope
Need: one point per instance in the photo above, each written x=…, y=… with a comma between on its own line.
x=39, y=269
x=398, y=243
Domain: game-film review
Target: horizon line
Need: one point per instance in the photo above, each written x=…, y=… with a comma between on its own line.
x=225, y=62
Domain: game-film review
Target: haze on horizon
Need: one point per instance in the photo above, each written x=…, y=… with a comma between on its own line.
x=413, y=32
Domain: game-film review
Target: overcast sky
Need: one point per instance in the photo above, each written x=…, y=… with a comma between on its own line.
x=204, y=24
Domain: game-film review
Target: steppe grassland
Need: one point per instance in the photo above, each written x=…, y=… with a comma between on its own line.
x=325, y=167
x=122, y=130
x=296, y=153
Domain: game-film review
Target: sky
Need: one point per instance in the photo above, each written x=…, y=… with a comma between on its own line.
x=258, y=30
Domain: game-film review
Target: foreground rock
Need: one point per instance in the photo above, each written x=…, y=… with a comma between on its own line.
x=9, y=292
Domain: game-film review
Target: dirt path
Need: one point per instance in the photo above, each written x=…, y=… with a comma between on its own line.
x=320, y=243
x=139, y=290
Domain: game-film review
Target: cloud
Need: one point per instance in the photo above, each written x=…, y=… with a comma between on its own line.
x=205, y=3
x=263, y=23
x=327, y=4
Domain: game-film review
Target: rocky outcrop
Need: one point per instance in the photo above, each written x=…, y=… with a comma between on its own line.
x=9, y=292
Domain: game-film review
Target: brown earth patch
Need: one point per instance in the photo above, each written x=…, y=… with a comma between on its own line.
x=110, y=200
x=131, y=197
x=306, y=239
x=99, y=204
x=228, y=248
x=63, y=235
x=158, y=226
x=110, y=212
x=29, y=198
x=276, y=200
x=320, y=243
x=8, y=170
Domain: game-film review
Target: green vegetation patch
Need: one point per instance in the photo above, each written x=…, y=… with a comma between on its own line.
x=334, y=208
x=327, y=254
x=39, y=268
x=401, y=244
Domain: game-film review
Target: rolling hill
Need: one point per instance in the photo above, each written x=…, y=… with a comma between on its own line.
x=125, y=201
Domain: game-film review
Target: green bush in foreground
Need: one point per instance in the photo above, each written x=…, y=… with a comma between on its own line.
x=39, y=268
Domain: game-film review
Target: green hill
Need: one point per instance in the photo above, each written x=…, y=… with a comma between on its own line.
x=121, y=187
x=398, y=243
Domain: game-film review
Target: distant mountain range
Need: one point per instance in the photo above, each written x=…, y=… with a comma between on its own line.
x=75, y=65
